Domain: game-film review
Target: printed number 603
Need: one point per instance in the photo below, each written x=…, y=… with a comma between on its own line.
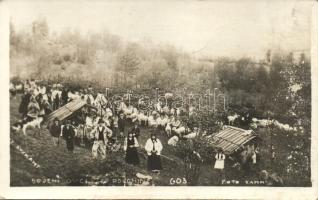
x=178, y=181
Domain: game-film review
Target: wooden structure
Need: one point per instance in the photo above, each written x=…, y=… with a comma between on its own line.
x=67, y=110
x=231, y=139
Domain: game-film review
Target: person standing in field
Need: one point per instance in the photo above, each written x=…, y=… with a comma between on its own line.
x=154, y=147
x=99, y=146
x=25, y=100
x=55, y=131
x=33, y=108
x=219, y=164
x=64, y=96
x=68, y=133
x=219, y=160
x=121, y=124
x=130, y=146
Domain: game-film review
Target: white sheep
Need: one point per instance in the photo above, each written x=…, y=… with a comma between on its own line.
x=173, y=140
x=168, y=128
x=152, y=121
x=168, y=95
x=232, y=118
x=142, y=118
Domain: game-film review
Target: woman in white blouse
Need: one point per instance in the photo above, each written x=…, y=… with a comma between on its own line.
x=154, y=147
x=219, y=160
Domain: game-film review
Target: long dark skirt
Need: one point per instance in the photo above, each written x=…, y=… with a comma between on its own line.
x=70, y=144
x=132, y=156
x=154, y=162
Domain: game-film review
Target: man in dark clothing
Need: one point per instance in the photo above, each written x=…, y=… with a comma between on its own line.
x=64, y=97
x=121, y=124
x=23, y=108
x=56, y=103
x=69, y=133
x=55, y=131
x=135, y=130
x=49, y=100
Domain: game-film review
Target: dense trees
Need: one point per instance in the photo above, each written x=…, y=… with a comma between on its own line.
x=108, y=60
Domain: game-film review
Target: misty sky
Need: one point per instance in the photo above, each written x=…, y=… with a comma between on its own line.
x=213, y=28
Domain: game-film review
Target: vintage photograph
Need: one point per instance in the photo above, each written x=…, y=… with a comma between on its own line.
x=160, y=93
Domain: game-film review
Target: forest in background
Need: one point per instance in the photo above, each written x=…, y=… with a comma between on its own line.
x=280, y=83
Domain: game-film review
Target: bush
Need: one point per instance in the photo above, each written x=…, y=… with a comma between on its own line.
x=194, y=153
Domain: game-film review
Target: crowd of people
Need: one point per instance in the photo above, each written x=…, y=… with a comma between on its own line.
x=102, y=127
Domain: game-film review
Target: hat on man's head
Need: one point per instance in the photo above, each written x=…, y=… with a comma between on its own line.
x=100, y=121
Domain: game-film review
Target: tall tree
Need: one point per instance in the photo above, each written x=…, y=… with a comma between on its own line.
x=128, y=62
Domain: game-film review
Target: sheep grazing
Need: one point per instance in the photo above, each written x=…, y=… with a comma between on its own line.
x=263, y=123
x=172, y=111
x=232, y=118
x=191, y=135
x=108, y=112
x=166, y=110
x=19, y=87
x=285, y=127
x=169, y=95
x=142, y=118
x=168, y=128
x=180, y=130
x=173, y=140
x=128, y=111
x=152, y=120
x=35, y=123
x=134, y=115
x=162, y=120
x=191, y=110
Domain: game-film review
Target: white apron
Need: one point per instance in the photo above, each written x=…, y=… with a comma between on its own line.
x=219, y=162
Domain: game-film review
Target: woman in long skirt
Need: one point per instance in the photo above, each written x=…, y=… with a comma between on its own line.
x=154, y=147
x=219, y=165
x=130, y=146
x=219, y=160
